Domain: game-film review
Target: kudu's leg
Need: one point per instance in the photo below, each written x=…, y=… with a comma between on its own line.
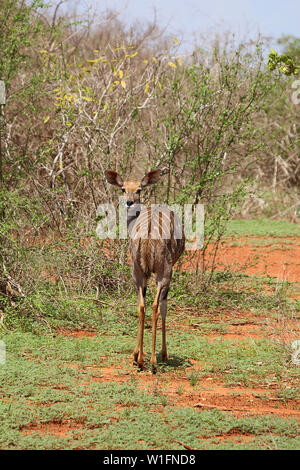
x=138, y=355
x=159, y=307
x=163, y=311
x=155, y=314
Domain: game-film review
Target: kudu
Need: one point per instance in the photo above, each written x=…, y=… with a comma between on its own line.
x=156, y=243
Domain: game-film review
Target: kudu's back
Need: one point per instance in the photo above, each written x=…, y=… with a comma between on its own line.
x=156, y=240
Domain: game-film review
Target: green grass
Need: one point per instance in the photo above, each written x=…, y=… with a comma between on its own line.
x=49, y=379
x=54, y=380
x=262, y=228
x=274, y=243
x=230, y=290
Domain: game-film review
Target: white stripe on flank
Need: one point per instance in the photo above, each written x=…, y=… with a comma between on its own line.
x=163, y=224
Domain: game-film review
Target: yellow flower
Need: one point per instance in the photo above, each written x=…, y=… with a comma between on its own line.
x=93, y=61
x=129, y=56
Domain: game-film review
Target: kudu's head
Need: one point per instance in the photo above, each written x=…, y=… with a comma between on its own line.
x=132, y=188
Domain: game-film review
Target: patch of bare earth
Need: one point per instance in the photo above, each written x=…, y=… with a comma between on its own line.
x=63, y=429
x=281, y=261
x=77, y=333
x=232, y=436
x=208, y=393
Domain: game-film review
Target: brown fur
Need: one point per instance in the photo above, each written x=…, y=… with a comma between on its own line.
x=156, y=243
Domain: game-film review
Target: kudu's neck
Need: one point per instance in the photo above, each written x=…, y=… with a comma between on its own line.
x=132, y=215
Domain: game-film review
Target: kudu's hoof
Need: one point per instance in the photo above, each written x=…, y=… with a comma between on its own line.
x=141, y=366
x=139, y=362
x=135, y=359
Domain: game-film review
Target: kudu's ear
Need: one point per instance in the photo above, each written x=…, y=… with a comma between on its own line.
x=150, y=178
x=113, y=178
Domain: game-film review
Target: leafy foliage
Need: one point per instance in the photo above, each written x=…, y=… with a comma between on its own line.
x=283, y=62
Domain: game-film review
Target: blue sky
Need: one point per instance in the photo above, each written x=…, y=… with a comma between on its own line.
x=189, y=19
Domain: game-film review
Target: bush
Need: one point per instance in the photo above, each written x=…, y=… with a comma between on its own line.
x=81, y=99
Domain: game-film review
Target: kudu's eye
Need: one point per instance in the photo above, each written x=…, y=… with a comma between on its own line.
x=123, y=190
x=138, y=191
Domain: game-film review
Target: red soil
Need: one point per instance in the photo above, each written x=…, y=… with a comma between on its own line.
x=281, y=261
x=56, y=429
